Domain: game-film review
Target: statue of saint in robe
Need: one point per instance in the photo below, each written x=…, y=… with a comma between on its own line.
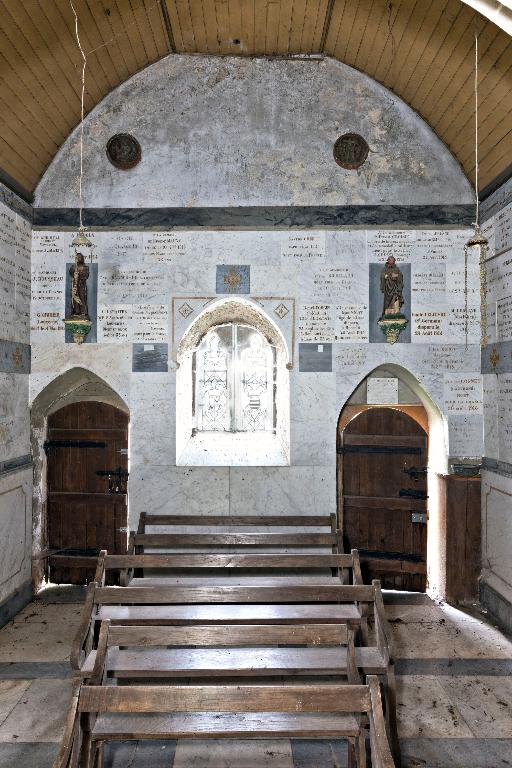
x=392, y=286
x=79, y=274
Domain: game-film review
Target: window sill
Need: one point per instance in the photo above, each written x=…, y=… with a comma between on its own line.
x=227, y=449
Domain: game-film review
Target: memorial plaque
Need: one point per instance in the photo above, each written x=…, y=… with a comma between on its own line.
x=381, y=391
x=350, y=323
x=114, y=323
x=334, y=284
x=150, y=323
x=164, y=247
x=465, y=436
x=462, y=394
x=352, y=359
x=382, y=243
x=131, y=284
x=304, y=247
x=503, y=229
x=428, y=285
x=317, y=322
x=504, y=319
x=505, y=416
x=428, y=325
x=7, y=227
x=150, y=358
x=315, y=358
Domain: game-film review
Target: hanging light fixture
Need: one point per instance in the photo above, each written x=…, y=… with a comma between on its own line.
x=477, y=245
x=77, y=320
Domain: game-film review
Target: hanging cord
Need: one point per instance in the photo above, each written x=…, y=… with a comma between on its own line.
x=477, y=216
x=82, y=94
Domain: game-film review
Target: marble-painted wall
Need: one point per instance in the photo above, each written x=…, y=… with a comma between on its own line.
x=250, y=132
x=151, y=286
x=15, y=471
x=497, y=382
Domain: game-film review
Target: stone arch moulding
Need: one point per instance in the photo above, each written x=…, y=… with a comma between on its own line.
x=74, y=385
x=232, y=448
x=437, y=464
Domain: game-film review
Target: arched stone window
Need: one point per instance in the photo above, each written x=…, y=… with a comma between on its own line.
x=232, y=390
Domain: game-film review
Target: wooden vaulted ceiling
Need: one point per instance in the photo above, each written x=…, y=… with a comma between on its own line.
x=423, y=50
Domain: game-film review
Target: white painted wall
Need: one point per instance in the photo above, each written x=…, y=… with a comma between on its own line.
x=15, y=486
x=232, y=131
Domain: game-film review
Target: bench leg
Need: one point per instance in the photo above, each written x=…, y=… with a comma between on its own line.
x=86, y=747
x=99, y=758
x=361, y=750
x=351, y=754
x=390, y=704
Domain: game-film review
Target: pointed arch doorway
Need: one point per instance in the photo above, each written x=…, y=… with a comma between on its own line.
x=382, y=491
x=87, y=475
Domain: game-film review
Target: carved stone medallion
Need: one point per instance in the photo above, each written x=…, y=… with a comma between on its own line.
x=123, y=151
x=350, y=151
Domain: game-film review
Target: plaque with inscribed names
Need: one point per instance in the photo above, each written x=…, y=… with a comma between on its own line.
x=428, y=326
x=164, y=247
x=114, y=323
x=462, y=394
x=505, y=416
x=305, y=247
x=316, y=322
x=351, y=323
x=150, y=323
x=503, y=229
x=382, y=391
x=504, y=319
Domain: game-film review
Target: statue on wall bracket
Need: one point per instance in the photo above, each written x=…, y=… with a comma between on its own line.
x=392, y=322
x=79, y=322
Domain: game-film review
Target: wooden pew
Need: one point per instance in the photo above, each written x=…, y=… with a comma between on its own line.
x=129, y=652
x=235, y=605
x=266, y=540
x=252, y=569
x=102, y=713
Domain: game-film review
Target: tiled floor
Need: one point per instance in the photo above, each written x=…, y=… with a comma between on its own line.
x=454, y=696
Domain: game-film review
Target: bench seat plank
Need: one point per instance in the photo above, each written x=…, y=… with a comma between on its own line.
x=237, y=662
x=235, y=581
x=325, y=613
x=223, y=725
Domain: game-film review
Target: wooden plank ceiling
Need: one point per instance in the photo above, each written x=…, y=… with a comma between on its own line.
x=420, y=49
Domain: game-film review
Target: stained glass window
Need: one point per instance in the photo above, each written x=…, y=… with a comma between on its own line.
x=234, y=381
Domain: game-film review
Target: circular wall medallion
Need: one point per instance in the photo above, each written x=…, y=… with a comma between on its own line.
x=123, y=151
x=350, y=151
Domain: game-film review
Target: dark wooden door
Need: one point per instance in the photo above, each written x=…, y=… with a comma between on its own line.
x=382, y=513
x=83, y=515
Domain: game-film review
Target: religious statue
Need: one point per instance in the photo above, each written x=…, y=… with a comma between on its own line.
x=392, y=286
x=392, y=321
x=78, y=322
x=79, y=274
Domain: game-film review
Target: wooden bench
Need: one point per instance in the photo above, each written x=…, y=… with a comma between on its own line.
x=213, y=540
x=218, y=569
x=188, y=605
x=102, y=713
x=235, y=651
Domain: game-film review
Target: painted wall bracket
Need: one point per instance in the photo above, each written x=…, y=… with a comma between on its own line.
x=392, y=326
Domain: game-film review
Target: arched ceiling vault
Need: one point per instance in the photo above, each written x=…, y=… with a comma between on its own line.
x=420, y=49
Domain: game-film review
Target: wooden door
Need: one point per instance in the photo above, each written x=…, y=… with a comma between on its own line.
x=84, y=516
x=383, y=457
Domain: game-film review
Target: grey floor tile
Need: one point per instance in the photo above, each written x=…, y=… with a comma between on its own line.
x=313, y=753
x=40, y=713
x=27, y=755
x=456, y=753
x=140, y=754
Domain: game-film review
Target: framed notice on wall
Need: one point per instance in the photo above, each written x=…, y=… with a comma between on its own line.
x=382, y=391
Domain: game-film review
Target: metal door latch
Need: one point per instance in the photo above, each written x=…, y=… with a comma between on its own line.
x=418, y=517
